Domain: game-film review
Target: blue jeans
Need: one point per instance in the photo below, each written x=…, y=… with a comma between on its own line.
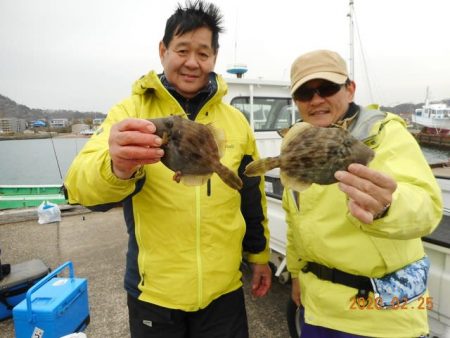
x=312, y=331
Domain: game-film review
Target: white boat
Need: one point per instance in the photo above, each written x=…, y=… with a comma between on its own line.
x=435, y=116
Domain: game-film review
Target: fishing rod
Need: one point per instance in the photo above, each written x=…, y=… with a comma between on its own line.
x=54, y=151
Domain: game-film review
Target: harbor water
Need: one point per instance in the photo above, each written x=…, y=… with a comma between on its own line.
x=46, y=161
x=37, y=161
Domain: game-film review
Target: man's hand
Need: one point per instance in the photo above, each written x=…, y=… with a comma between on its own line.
x=369, y=191
x=295, y=291
x=261, y=279
x=132, y=143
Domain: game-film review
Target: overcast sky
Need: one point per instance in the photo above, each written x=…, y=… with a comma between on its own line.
x=85, y=54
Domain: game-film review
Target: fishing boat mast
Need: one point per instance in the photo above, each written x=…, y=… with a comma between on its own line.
x=351, y=42
x=353, y=26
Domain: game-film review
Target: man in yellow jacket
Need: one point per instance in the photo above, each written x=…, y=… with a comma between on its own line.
x=354, y=248
x=185, y=247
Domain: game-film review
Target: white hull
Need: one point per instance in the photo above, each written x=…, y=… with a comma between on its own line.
x=435, y=116
x=436, y=123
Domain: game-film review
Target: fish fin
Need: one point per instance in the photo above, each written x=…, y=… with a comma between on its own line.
x=283, y=132
x=295, y=184
x=295, y=129
x=229, y=177
x=219, y=137
x=164, y=138
x=261, y=166
x=195, y=180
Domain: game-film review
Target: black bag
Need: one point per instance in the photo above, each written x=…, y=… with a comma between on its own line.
x=5, y=269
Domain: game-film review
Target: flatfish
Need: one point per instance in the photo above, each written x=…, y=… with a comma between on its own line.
x=312, y=154
x=193, y=151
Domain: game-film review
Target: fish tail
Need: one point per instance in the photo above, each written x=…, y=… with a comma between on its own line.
x=261, y=166
x=229, y=177
x=362, y=153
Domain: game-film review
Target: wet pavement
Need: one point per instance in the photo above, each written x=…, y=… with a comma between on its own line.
x=96, y=244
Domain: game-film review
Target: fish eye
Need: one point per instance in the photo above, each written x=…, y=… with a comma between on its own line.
x=168, y=123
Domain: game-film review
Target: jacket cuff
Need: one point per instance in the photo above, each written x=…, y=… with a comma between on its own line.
x=113, y=179
x=259, y=258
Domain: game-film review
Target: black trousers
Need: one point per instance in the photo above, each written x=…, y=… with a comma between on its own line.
x=225, y=317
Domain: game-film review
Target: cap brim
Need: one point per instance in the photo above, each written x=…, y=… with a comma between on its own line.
x=333, y=77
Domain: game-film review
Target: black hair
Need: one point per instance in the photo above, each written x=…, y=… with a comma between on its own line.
x=192, y=16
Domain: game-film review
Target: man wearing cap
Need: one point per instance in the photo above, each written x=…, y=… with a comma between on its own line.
x=347, y=241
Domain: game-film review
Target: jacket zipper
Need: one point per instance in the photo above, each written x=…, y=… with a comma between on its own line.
x=141, y=260
x=198, y=246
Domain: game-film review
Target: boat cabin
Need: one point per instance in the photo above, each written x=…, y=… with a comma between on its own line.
x=267, y=105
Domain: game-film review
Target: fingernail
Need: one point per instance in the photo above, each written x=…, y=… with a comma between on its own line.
x=151, y=128
x=158, y=141
x=160, y=152
x=338, y=175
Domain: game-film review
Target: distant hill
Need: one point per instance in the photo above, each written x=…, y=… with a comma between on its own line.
x=9, y=108
x=409, y=107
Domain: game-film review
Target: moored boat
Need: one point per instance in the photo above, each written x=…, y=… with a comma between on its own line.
x=434, y=117
x=23, y=196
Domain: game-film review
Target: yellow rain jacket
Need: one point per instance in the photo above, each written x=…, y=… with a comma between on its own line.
x=321, y=230
x=185, y=243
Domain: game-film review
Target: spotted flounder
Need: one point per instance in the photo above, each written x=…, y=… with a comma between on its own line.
x=193, y=151
x=312, y=154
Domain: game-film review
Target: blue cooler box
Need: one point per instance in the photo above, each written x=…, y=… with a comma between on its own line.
x=53, y=307
x=14, y=286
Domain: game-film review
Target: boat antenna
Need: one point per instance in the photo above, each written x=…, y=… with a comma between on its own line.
x=235, y=35
x=427, y=97
x=238, y=69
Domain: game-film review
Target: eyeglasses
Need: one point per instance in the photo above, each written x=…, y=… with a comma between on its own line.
x=324, y=90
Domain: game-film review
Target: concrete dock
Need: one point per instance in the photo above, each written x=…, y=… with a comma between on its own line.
x=96, y=244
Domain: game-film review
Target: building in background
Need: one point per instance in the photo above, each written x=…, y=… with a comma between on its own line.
x=59, y=123
x=97, y=121
x=12, y=125
x=39, y=123
x=79, y=128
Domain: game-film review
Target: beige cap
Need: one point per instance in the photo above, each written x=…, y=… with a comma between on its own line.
x=319, y=64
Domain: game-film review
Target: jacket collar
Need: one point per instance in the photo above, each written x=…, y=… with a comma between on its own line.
x=193, y=105
x=349, y=116
x=151, y=82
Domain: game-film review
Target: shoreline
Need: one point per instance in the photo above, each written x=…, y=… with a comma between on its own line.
x=41, y=136
x=424, y=139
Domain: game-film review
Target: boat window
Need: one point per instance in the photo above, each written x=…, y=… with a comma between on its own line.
x=269, y=113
